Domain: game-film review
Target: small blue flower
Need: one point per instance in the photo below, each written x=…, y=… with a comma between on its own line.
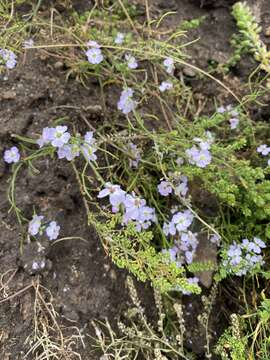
x=53, y=230
x=46, y=137
x=182, y=220
x=60, y=136
x=68, y=151
x=169, y=65
x=116, y=195
x=35, y=224
x=165, y=188
x=94, y=56
x=89, y=152
x=234, y=122
x=263, y=149
x=199, y=157
x=126, y=103
x=12, y=155
x=9, y=58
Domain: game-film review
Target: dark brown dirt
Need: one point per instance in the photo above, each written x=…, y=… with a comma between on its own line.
x=81, y=278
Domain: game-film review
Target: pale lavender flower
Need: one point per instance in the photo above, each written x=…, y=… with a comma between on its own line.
x=119, y=39
x=9, y=58
x=135, y=153
x=89, y=139
x=259, y=242
x=234, y=122
x=263, y=149
x=94, y=56
x=146, y=217
x=35, y=224
x=165, y=85
x=68, y=151
x=133, y=206
x=188, y=240
x=198, y=157
x=60, y=136
x=131, y=61
x=182, y=220
x=189, y=256
x=172, y=253
x=221, y=110
x=169, y=65
x=12, y=155
x=169, y=228
x=126, y=104
x=53, y=230
x=268, y=162
x=116, y=195
x=165, y=188
x=46, y=137
x=234, y=254
x=89, y=152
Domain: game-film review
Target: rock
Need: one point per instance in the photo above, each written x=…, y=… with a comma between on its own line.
x=188, y=71
x=8, y=95
x=206, y=252
x=59, y=65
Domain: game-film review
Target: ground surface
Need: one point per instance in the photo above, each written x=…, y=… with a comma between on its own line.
x=81, y=278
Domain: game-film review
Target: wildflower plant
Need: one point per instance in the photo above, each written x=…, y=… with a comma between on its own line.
x=146, y=170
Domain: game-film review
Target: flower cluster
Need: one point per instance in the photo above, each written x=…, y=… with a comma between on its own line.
x=60, y=138
x=232, y=113
x=94, y=53
x=126, y=104
x=186, y=242
x=180, y=222
x=242, y=258
x=8, y=58
x=180, y=189
x=134, y=208
x=12, y=155
x=135, y=154
x=199, y=154
x=38, y=226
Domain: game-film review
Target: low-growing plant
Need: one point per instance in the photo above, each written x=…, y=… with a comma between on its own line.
x=161, y=175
